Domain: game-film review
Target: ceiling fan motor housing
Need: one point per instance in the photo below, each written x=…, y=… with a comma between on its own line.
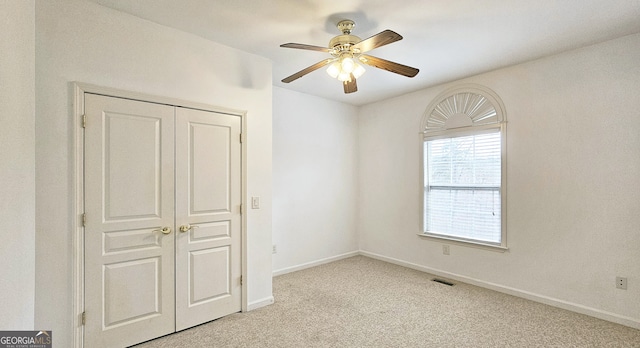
x=343, y=43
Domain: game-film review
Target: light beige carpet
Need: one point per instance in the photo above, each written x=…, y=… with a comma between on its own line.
x=362, y=302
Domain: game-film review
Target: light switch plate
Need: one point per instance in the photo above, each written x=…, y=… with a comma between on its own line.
x=255, y=202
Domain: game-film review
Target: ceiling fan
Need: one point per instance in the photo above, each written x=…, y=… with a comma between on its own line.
x=347, y=52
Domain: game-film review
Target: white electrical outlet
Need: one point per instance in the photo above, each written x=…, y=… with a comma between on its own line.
x=274, y=250
x=621, y=283
x=445, y=249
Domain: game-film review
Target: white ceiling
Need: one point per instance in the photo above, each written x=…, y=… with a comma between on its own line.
x=445, y=39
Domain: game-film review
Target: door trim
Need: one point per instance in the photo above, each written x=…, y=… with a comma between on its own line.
x=78, y=91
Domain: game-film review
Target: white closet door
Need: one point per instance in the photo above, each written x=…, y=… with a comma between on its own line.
x=129, y=237
x=208, y=220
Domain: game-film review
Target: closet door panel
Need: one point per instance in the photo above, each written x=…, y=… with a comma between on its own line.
x=208, y=197
x=129, y=247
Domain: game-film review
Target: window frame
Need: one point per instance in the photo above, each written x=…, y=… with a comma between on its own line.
x=496, y=123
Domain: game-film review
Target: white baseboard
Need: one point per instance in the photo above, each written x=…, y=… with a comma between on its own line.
x=314, y=263
x=260, y=303
x=574, y=307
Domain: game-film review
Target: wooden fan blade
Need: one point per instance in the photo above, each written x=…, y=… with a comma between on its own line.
x=388, y=65
x=350, y=86
x=305, y=71
x=305, y=47
x=380, y=39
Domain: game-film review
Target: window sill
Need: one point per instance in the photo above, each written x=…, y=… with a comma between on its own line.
x=462, y=242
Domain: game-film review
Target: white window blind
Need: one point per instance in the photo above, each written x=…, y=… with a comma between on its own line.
x=463, y=187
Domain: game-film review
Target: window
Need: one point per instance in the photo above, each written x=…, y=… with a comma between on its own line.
x=464, y=132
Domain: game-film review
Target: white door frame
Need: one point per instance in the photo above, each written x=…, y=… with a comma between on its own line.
x=79, y=89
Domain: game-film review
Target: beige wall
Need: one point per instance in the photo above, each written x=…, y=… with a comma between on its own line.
x=17, y=164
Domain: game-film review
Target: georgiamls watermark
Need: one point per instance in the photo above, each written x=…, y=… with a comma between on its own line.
x=26, y=339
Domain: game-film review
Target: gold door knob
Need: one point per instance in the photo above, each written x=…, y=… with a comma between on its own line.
x=187, y=227
x=164, y=230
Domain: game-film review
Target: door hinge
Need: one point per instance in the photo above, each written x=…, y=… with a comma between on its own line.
x=84, y=317
x=84, y=219
x=84, y=121
x=241, y=283
x=241, y=138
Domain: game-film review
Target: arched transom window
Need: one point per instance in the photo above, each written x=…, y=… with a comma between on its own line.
x=464, y=157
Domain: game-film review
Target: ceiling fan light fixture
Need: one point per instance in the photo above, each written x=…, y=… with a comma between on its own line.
x=344, y=76
x=344, y=68
x=358, y=70
x=347, y=64
x=334, y=70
